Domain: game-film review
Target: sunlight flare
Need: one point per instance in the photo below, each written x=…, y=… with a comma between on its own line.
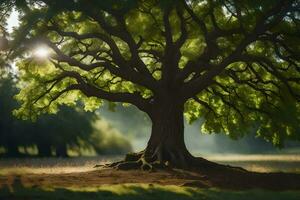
x=41, y=52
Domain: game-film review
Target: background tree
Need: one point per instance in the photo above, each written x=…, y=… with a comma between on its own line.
x=5, y=11
x=65, y=129
x=53, y=134
x=8, y=125
x=235, y=63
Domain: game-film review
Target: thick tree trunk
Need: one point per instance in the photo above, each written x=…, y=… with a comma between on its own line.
x=166, y=143
x=166, y=147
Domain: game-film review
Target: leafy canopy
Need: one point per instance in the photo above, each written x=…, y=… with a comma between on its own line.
x=234, y=63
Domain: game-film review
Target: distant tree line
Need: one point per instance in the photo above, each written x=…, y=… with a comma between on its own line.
x=53, y=134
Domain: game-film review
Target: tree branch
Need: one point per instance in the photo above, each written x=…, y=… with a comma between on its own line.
x=92, y=91
x=196, y=85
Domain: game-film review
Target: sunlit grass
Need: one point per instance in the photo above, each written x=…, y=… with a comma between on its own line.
x=51, y=165
x=258, y=163
x=44, y=170
x=255, y=157
x=141, y=191
x=17, y=189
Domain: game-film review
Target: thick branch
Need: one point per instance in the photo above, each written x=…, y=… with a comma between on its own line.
x=93, y=91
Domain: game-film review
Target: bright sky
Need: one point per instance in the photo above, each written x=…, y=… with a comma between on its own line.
x=40, y=52
x=12, y=21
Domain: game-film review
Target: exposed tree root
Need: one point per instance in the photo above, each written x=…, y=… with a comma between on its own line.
x=136, y=161
x=141, y=161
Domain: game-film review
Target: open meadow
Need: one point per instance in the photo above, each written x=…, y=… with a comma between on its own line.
x=75, y=178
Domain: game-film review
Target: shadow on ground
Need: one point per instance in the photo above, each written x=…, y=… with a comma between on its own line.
x=18, y=191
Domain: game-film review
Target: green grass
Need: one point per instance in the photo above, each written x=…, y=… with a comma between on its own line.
x=18, y=191
x=252, y=162
x=139, y=191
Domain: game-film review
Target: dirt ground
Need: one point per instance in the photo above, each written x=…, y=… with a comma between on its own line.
x=210, y=178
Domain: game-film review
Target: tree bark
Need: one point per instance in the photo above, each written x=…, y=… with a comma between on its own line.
x=166, y=143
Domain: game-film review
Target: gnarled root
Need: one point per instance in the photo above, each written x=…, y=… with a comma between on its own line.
x=153, y=158
x=149, y=161
x=137, y=161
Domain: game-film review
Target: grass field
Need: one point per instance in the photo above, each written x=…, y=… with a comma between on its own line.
x=140, y=191
x=17, y=190
x=255, y=162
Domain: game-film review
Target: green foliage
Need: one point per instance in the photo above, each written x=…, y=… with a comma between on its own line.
x=69, y=128
x=253, y=58
x=108, y=140
x=9, y=127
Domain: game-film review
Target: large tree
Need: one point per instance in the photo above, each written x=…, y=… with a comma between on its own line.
x=234, y=63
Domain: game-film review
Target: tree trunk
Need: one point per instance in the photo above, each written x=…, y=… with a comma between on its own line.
x=166, y=143
x=166, y=147
x=12, y=150
x=44, y=150
x=61, y=150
